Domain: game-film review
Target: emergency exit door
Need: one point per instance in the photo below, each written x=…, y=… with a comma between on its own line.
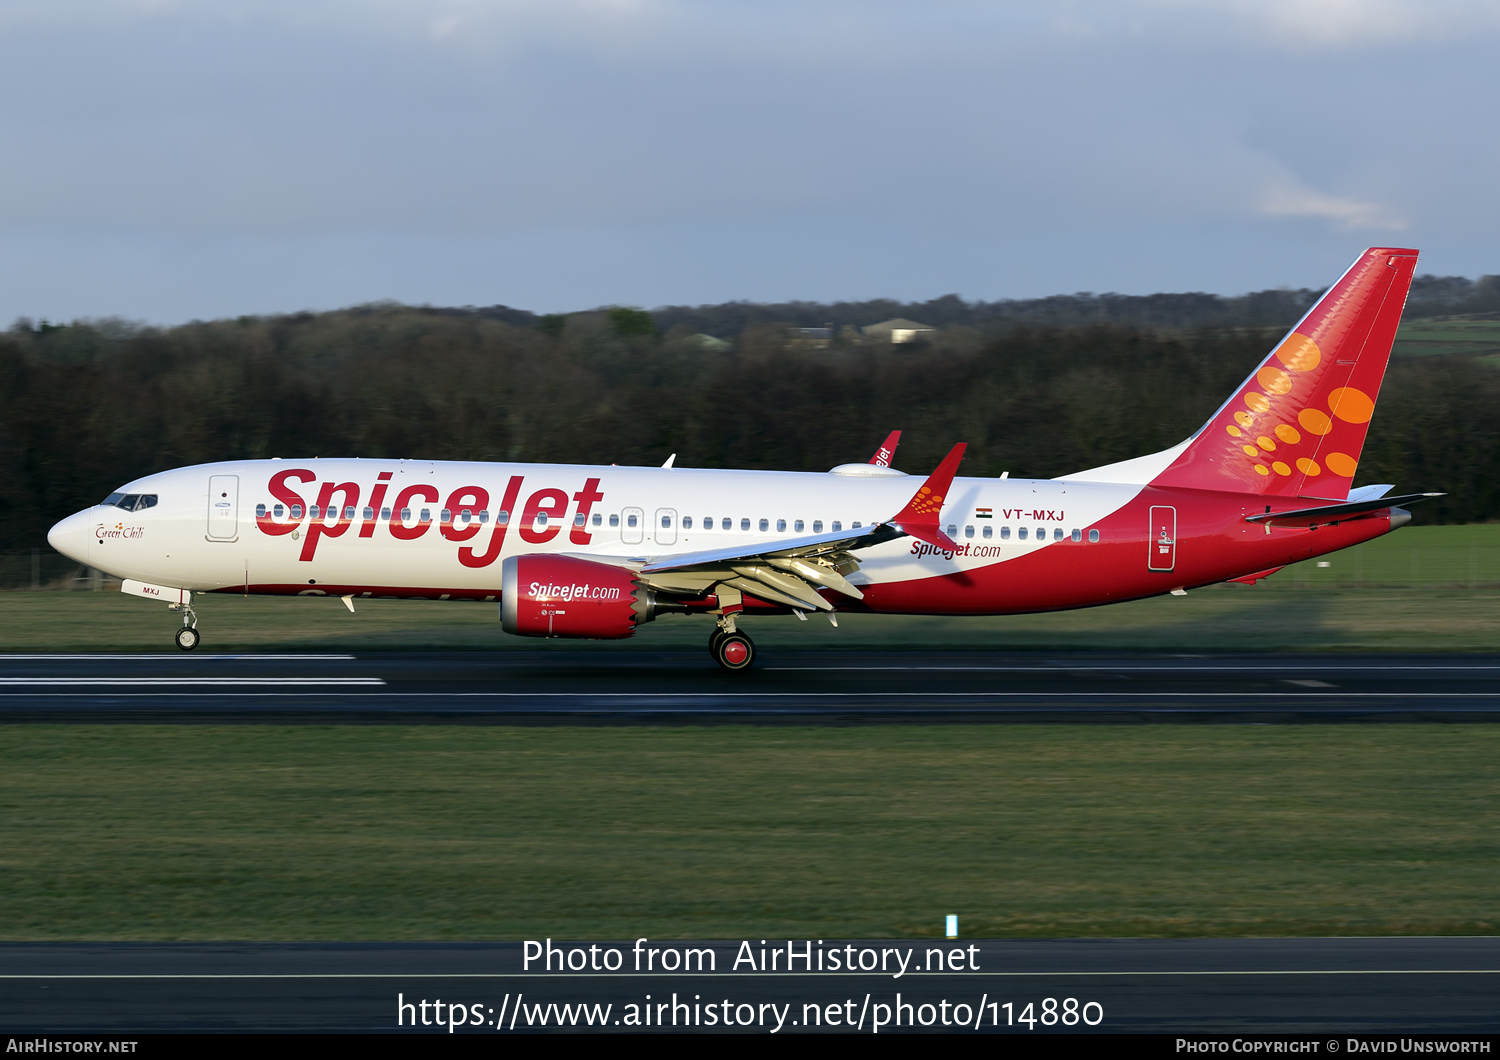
x=1163, y=543
x=223, y=507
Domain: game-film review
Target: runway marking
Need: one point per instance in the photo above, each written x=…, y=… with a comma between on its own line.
x=394, y=695
x=181, y=657
x=216, y=682
x=1064, y=669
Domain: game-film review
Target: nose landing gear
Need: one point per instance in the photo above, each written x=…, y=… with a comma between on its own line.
x=187, y=637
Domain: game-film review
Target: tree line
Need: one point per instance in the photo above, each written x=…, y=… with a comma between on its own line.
x=92, y=405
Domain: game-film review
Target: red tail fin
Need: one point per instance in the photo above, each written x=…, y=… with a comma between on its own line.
x=1297, y=425
x=887, y=451
x=920, y=518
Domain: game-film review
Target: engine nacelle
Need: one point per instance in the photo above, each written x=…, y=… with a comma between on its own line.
x=562, y=596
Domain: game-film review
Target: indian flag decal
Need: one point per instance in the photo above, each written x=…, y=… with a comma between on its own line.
x=984, y=513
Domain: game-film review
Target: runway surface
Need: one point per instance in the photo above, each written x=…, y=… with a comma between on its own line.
x=617, y=687
x=1312, y=986
x=635, y=687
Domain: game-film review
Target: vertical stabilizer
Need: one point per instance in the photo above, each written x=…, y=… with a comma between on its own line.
x=1297, y=426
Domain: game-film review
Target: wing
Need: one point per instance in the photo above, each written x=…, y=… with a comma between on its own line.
x=887, y=451
x=791, y=572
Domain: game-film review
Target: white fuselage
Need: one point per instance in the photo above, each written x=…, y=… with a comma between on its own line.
x=224, y=526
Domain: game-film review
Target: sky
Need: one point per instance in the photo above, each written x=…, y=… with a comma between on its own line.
x=165, y=160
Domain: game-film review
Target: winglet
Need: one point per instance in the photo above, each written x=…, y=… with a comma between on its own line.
x=887, y=451
x=920, y=517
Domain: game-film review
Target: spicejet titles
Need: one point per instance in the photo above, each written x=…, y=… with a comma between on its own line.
x=328, y=517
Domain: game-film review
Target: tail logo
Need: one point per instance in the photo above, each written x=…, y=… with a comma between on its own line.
x=1299, y=354
x=1303, y=414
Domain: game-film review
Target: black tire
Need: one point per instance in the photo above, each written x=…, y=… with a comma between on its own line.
x=187, y=638
x=734, y=652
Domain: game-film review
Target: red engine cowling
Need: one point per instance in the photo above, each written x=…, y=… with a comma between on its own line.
x=562, y=596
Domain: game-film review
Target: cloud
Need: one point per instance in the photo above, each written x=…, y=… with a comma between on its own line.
x=1346, y=214
x=1311, y=24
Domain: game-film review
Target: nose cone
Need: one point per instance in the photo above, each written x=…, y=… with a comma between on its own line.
x=71, y=536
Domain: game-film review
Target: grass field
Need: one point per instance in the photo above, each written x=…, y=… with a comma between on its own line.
x=259, y=832
x=1424, y=338
x=438, y=832
x=1420, y=589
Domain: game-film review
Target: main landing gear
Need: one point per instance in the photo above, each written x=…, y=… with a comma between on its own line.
x=187, y=637
x=731, y=649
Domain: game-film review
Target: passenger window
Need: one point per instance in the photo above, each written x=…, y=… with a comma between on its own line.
x=484, y=517
x=614, y=520
x=817, y=526
x=837, y=526
x=630, y=520
x=296, y=511
x=314, y=512
x=781, y=526
x=797, y=526
x=989, y=532
x=369, y=514
x=260, y=511
x=1094, y=537
x=502, y=517
x=666, y=522
x=446, y=515
x=968, y=531
x=580, y=519
x=687, y=522
x=1005, y=533
x=1041, y=533
x=1021, y=532
x=952, y=530
x=854, y=526
x=598, y=519
x=540, y=520
x=426, y=516
x=744, y=524
x=727, y=524
x=765, y=524
x=279, y=511
x=349, y=511
x=1057, y=533
x=1077, y=535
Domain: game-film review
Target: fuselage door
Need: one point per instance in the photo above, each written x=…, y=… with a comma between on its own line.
x=632, y=526
x=666, y=526
x=223, y=507
x=1163, y=543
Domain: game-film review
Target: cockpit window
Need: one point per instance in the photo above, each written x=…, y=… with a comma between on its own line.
x=131, y=502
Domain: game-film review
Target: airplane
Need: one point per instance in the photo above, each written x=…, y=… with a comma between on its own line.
x=596, y=552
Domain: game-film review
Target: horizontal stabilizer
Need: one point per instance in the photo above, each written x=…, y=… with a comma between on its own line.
x=1333, y=513
x=1251, y=579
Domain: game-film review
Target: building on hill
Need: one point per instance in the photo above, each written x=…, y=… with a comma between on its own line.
x=898, y=330
x=710, y=343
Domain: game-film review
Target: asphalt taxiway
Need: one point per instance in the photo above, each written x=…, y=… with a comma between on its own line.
x=1208, y=986
x=613, y=687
